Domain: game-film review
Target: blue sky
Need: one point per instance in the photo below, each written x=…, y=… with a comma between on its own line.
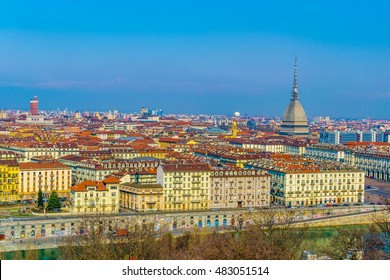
x=197, y=56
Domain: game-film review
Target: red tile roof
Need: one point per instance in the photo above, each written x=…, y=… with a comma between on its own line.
x=42, y=165
x=111, y=180
x=100, y=185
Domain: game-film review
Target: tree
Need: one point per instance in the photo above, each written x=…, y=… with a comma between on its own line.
x=270, y=235
x=348, y=243
x=40, y=199
x=379, y=234
x=106, y=239
x=273, y=236
x=54, y=202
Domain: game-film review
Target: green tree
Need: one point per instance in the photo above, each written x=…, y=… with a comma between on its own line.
x=54, y=202
x=40, y=199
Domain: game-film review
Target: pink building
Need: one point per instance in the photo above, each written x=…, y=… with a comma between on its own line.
x=239, y=188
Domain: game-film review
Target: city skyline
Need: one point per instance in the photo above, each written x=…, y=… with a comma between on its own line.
x=200, y=58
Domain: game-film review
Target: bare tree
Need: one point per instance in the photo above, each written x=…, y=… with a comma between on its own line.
x=274, y=236
x=99, y=238
x=347, y=243
x=379, y=234
x=217, y=246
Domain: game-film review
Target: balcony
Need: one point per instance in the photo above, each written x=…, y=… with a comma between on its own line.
x=195, y=188
x=195, y=201
x=177, y=202
x=151, y=202
x=195, y=182
x=177, y=182
x=186, y=194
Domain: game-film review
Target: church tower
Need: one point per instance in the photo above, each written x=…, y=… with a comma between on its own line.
x=234, y=128
x=294, y=120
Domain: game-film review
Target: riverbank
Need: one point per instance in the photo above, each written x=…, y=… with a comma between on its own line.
x=316, y=239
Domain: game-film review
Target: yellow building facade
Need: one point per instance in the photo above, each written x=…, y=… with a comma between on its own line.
x=186, y=186
x=141, y=197
x=303, y=182
x=9, y=181
x=95, y=197
x=44, y=176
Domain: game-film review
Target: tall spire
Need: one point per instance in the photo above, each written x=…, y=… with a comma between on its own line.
x=295, y=93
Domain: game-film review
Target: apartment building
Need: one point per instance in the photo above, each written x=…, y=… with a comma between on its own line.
x=9, y=181
x=239, y=188
x=186, y=186
x=44, y=176
x=141, y=197
x=303, y=182
x=95, y=197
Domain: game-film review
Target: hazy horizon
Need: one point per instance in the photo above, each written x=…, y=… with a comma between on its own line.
x=197, y=57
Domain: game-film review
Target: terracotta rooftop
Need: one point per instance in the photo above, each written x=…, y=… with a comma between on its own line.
x=9, y=162
x=83, y=186
x=125, y=186
x=111, y=180
x=42, y=165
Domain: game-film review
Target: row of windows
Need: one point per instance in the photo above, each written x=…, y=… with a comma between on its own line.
x=202, y=185
x=199, y=206
x=330, y=175
x=91, y=194
x=326, y=181
x=244, y=204
x=239, y=197
x=44, y=186
x=174, y=192
x=8, y=187
x=34, y=189
x=9, y=169
x=325, y=188
x=188, y=179
x=44, y=178
x=325, y=200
